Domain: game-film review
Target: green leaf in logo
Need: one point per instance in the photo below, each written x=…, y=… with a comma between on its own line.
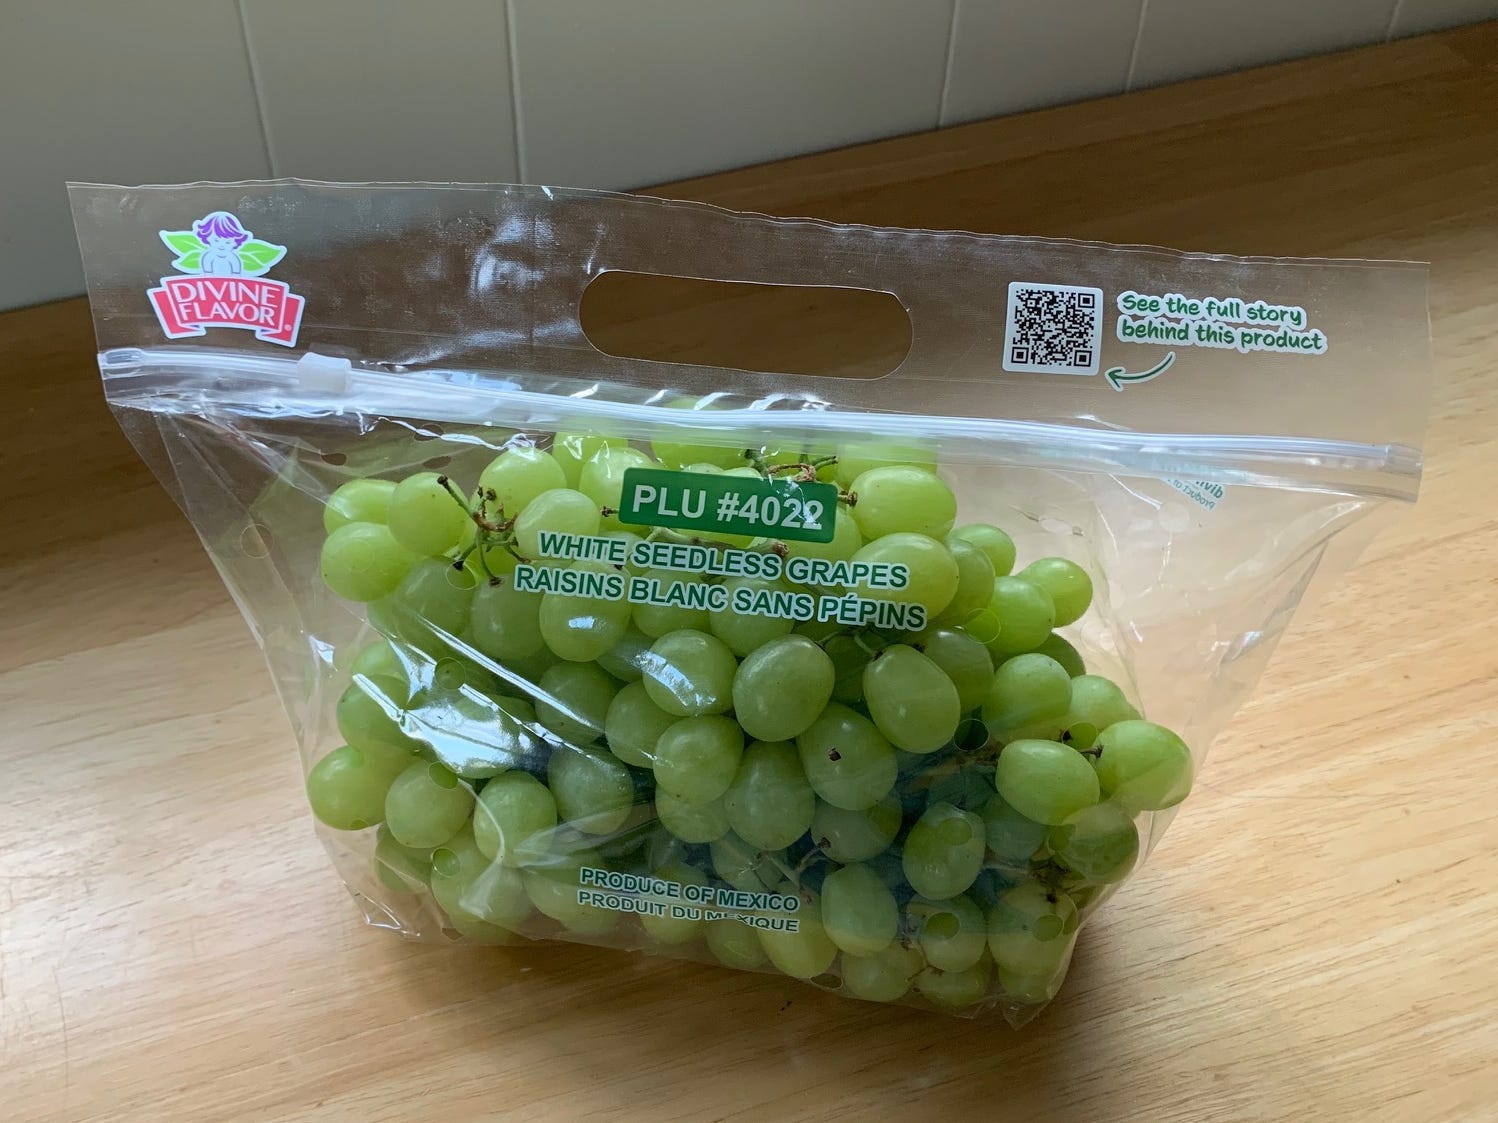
x=258, y=256
x=188, y=248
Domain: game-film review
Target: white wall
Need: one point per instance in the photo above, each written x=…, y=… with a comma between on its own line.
x=598, y=93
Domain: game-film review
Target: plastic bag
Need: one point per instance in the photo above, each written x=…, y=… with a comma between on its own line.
x=775, y=671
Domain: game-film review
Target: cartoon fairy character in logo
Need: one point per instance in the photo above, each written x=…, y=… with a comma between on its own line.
x=219, y=246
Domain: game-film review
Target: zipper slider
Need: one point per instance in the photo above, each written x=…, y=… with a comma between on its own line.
x=323, y=374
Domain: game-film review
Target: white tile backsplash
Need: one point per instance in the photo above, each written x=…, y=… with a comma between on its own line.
x=611, y=93
x=625, y=94
x=150, y=91
x=385, y=89
x=1008, y=57
x=1415, y=17
x=1181, y=39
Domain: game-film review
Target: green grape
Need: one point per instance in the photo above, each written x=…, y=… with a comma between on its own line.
x=846, y=759
x=1030, y=929
x=744, y=632
x=363, y=561
x=806, y=952
x=698, y=757
x=551, y=881
x=347, y=787
x=560, y=510
x=716, y=447
x=516, y=476
x=885, y=976
x=769, y=804
x=580, y=629
x=602, y=478
x=1143, y=766
x=953, y=934
x=943, y=852
x=962, y=659
x=1045, y=781
x=911, y=700
x=427, y=805
x=524, y=673
x=956, y=989
x=572, y=450
x=369, y=713
x=593, y=790
x=1025, y=690
x=857, y=457
x=1031, y=989
x=1096, y=703
x=1011, y=836
x=471, y=732
x=1059, y=649
x=1068, y=584
x=689, y=673
x=401, y=869
x=856, y=836
x=626, y=659
x=673, y=930
x=1099, y=843
x=424, y=516
x=655, y=620
x=433, y=598
x=745, y=867
x=506, y=623
x=735, y=945
x=358, y=501
x=379, y=657
x=850, y=657
x=858, y=910
x=992, y=541
x=1025, y=616
x=633, y=725
x=847, y=540
x=466, y=883
x=903, y=500
x=515, y=813
x=975, y=578
x=691, y=822
x=931, y=568
x=574, y=701
x=782, y=687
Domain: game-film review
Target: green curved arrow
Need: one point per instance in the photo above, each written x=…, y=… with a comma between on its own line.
x=1121, y=378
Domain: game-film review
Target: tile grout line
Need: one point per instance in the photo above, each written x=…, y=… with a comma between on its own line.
x=946, y=72
x=249, y=54
x=517, y=129
x=1144, y=6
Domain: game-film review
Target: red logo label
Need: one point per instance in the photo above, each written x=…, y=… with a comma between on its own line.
x=224, y=287
x=189, y=305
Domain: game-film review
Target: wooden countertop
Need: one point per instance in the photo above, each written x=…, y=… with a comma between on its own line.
x=1315, y=939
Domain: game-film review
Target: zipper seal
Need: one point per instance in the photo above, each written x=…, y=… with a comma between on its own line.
x=230, y=381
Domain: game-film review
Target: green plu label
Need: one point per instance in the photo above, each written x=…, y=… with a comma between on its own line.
x=747, y=505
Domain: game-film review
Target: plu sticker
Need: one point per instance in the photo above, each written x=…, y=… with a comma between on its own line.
x=223, y=285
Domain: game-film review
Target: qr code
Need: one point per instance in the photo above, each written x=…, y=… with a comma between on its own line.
x=1053, y=329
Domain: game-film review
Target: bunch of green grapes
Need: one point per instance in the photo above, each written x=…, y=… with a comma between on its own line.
x=944, y=804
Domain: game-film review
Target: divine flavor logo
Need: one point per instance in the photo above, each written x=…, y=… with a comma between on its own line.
x=223, y=286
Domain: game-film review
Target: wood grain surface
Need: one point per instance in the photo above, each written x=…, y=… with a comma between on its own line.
x=1315, y=939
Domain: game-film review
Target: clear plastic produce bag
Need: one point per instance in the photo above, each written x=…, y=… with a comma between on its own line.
x=884, y=684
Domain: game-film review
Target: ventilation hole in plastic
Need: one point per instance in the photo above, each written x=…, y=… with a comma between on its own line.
x=437, y=462
x=337, y=459
x=428, y=431
x=255, y=541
